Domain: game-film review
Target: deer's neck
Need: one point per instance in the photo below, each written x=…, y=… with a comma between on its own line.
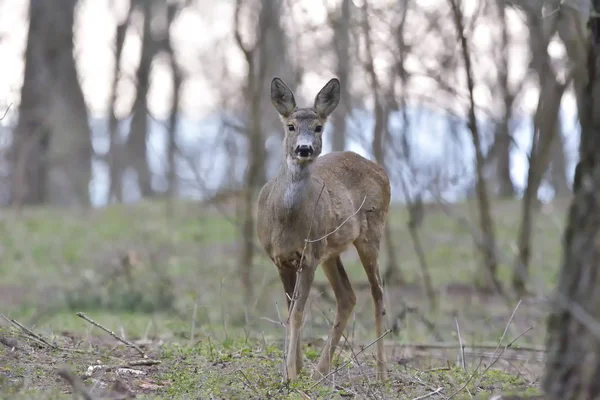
x=296, y=180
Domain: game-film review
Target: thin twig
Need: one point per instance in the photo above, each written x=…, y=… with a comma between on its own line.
x=111, y=333
x=496, y=359
x=76, y=383
x=506, y=329
x=436, y=391
x=468, y=380
x=349, y=361
x=462, y=347
x=342, y=224
x=6, y=112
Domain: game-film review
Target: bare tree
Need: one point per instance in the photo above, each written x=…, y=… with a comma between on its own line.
x=265, y=55
x=341, y=45
x=381, y=110
x=172, y=10
x=558, y=166
x=52, y=150
x=137, y=153
x=500, y=151
x=544, y=134
x=488, y=280
x=114, y=159
x=573, y=339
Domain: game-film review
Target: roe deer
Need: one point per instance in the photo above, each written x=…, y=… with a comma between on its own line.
x=318, y=194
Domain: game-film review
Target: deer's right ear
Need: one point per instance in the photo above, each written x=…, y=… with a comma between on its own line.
x=282, y=98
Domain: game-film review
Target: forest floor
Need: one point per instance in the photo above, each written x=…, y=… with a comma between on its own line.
x=164, y=277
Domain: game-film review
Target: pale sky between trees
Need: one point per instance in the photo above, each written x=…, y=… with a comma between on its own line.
x=203, y=36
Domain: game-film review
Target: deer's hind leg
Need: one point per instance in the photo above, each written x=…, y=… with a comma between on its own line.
x=368, y=250
x=345, y=301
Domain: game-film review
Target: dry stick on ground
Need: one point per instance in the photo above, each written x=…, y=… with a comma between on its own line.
x=38, y=338
x=436, y=391
x=30, y=333
x=76, y=383
x=349, y=361
x=129, y=364
x=444, y=346
x=111, y=333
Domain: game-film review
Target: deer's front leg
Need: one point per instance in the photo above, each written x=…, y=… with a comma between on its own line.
x=294, y=353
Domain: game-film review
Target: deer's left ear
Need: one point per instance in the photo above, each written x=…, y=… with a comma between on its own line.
x=328, y=98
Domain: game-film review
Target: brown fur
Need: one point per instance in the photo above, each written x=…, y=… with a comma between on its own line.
x=288, y=203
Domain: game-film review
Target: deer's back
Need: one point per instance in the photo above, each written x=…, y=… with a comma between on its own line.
x=348, y=173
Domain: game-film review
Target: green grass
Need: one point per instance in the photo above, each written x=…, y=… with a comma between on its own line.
x=178, y=291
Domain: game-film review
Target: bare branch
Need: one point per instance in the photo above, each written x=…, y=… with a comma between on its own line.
x=238, y=35
x=6, y=112
x=111, y=333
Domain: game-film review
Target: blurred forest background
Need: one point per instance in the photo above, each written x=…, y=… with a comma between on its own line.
x=135, y=136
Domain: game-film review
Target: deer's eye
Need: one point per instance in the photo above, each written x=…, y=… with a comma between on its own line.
x=318, y=129
x=291, y=128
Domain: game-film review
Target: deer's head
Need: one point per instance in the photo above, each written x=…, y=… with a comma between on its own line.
x=304, y=126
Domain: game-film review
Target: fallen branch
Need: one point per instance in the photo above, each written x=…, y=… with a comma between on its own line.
x=30, y=333
x=451, y=346
x=107, y=368
x=111, y=333
x=436, y=391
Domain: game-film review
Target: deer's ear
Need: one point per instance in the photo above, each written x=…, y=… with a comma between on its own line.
x=282, y=98
x=328, y=98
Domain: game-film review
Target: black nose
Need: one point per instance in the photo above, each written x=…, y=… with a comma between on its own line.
x=304, y=150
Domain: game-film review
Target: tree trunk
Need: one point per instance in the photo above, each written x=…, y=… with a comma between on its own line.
x=380, y=127
x=506, y=187
x=545, y=131
x=544, y=134
x=138, y=133
x=177, y=81
x=258, y=61
x=573, y=340
x=52, y=149
x=342, y=50
x=115, y=189
x=487, y=280
x=558, y=168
